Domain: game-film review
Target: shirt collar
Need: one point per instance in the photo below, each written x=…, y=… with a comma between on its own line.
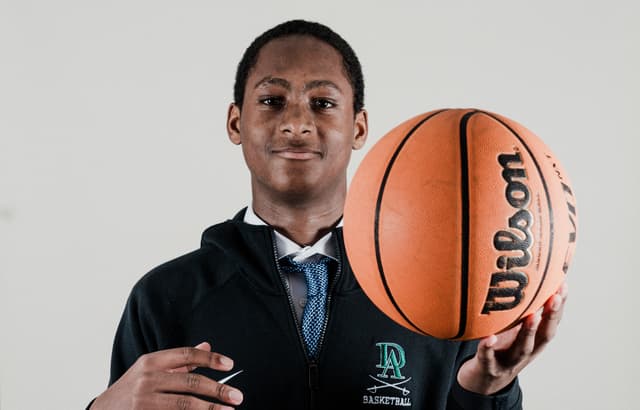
x=286, y=247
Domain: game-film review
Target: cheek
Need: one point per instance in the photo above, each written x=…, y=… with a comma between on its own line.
x=345, y=156
x=339, y=155
x=256, y=139
x=253, y=154
x=340, y=140
x=255, y=123
x=257, y=161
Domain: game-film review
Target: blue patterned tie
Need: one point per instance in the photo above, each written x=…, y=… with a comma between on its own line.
x=316, y=274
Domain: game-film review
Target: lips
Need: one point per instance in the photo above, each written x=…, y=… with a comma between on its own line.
x=300, y=154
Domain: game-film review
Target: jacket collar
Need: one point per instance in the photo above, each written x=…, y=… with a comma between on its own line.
x=253, y=249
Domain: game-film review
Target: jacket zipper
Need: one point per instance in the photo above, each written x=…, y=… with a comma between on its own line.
x=313, y=381
x=330, y=293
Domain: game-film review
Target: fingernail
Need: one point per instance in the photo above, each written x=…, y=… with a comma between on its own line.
x=225, y=361
x=537, y=317
x=235, y=395
x=557, y=301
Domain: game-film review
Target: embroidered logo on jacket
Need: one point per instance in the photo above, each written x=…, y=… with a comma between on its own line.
x=389, y=385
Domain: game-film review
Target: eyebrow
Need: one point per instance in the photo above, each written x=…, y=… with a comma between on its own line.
x=321, y=83
x=273, y=81
x=286, y=85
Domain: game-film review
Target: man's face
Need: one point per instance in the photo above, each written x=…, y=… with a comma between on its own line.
x=296, y=125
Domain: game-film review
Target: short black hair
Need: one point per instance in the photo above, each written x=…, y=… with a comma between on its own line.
x=307, y=28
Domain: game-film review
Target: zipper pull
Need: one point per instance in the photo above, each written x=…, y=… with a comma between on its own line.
x=314, y=379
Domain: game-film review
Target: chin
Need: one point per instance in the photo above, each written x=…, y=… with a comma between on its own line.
x=297, y=191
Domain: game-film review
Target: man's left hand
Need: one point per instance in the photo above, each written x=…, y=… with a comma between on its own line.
x=501, y=357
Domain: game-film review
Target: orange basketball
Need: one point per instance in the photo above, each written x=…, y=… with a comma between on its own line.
x=459, y=222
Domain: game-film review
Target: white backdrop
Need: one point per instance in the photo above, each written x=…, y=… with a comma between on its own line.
x=114, y=158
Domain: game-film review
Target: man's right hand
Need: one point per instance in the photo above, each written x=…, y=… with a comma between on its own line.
x=162, y=380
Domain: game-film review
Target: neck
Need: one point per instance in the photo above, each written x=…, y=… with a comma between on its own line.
x=304, y=222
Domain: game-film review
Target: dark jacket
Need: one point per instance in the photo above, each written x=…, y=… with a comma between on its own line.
x=231, y=293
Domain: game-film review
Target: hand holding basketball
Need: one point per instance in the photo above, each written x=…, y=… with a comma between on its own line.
x=501, y=357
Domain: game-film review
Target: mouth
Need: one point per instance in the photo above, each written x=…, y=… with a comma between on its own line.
x=300, y=154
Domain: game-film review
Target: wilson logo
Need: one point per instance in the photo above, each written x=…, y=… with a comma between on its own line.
x=509, y=283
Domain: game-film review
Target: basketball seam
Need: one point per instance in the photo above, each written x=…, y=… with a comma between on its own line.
x=464, y=228
x=376, y=223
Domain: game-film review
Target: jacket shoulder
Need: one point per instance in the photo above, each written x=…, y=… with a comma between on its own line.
x=186, y=277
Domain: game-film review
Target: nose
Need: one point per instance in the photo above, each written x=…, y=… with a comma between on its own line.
x=296, y=120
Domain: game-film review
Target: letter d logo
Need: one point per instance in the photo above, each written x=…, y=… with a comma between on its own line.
x=391, y=358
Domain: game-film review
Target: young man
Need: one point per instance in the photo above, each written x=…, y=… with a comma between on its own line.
x=298, y=113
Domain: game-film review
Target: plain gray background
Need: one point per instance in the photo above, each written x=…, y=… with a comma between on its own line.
x=114, y=158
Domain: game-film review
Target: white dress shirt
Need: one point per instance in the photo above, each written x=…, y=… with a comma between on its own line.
x=286, y=247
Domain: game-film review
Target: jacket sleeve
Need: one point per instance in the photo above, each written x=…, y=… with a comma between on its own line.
x=132, y=338
x=135, y=335
x=509, y=398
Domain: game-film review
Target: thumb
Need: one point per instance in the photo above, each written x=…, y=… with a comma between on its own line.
x=486, y=352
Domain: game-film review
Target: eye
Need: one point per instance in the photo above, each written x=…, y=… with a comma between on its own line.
x=272, y=101
x=322, y=103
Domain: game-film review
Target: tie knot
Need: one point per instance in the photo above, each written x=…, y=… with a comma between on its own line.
x=316, y=272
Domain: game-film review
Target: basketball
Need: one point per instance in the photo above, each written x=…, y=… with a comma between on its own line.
x=458, y=223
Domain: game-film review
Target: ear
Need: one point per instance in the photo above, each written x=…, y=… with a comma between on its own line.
x=360, y=130
x=233, y=124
